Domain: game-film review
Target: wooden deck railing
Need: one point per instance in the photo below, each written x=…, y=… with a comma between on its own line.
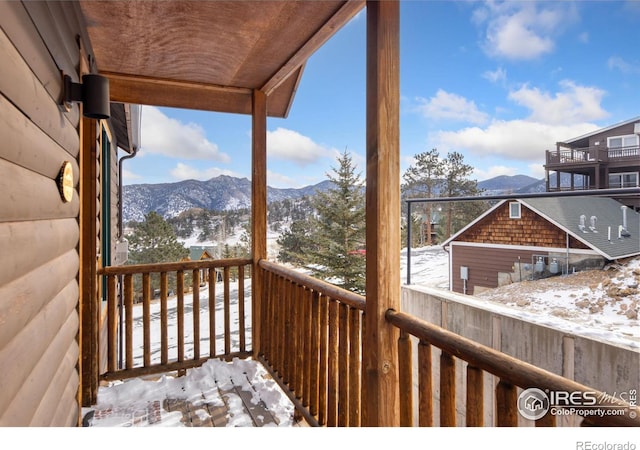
x=511, y=372
x=178, y=302
x=312, y=341
x=591, y=155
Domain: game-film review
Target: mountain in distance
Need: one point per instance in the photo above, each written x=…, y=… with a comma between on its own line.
x=225, y=192
x=219, y=193
x=505, y=184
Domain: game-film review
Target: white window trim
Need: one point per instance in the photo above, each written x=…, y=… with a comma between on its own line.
x=623, y=137
x=620, y=175
x=519, y=214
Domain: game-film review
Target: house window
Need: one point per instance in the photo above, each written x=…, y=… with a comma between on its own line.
x=514, y=210
x=623, y=180
x=630, y=140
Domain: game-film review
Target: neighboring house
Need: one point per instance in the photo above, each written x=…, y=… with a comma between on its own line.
x=538, y=237
x=198, y=253
x=608, y=158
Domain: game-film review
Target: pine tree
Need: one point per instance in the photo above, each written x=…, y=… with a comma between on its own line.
x=338, y=230
x=295, y=243
x=154, y=241
x=457, y=184
x=424, y=179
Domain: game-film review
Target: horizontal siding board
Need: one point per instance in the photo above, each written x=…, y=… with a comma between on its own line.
x=28, y=146
x=484, y=264
x=36, y=383
x=59, y=392
x=25, y=297
x=31, y=196
x=50, y=238
x=23, y=89
x=68, y=412
x=33, y=346
x=17, y=24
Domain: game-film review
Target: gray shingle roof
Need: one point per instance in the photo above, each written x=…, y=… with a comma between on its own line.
x=566, y=212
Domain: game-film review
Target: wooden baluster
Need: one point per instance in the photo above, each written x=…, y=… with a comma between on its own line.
x=196, y=313
x=332, y=366
x=343, y=365
x=475, y=397
x=425, y=388
x=146, y=318
x=227, y=313
x=447, y=390
x=164, y=319
x=506, y=404
x=180, y=314
x=314, y=356
x=355, y=365
x=323, y=369
x=405, y=378
x=294, y=340
x=128, y=305
x=306, y=375
x=212, y=311
x=241, y=318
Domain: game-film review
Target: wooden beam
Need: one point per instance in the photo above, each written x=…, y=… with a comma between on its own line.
x=258, y=208
x=341, y=17
x=178, y=94
x=383, y=213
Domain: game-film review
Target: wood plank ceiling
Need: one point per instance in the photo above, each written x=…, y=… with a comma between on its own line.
x=209, y=55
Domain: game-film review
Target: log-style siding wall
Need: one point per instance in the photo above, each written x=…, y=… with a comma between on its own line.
x=39, y=233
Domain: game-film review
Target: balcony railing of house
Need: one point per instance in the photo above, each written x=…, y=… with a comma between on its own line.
x=164, y=287
x=590, y=155
x=311, y=340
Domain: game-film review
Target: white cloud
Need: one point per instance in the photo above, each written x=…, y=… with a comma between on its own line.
x=279, y=180
x=498, y=75
x=448, y=106
x=574, y=104
x=536, y=171
x=494, y=171
x=295, y=147
x=185, y=172
x=523, y=30
x=129, y=176
x=523, y=140
x=163, y=135
x=618, y=63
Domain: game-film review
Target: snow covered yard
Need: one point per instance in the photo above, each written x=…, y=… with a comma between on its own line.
x=602, y=304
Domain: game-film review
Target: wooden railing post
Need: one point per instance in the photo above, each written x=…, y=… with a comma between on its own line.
x=258, y=210
x=382, y=213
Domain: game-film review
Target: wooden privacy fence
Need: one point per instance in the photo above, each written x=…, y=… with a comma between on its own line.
x=511, y=372
x=146, y=302
x=312, y=342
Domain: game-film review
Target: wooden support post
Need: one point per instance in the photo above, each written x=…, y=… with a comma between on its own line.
x=258, y=209
x=383, y=213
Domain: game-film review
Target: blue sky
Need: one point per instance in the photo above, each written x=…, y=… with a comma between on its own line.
x=499, y=82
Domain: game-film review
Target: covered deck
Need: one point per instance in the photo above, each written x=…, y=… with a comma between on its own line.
x=342, y=359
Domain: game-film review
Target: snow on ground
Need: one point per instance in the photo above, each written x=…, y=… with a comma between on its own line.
x=600, y=304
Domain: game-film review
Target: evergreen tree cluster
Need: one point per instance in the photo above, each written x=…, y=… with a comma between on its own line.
x=430, y=177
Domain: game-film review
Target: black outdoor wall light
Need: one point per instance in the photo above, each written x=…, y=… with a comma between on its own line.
x=93, y=93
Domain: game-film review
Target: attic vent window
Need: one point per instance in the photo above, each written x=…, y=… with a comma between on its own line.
x=514, y=210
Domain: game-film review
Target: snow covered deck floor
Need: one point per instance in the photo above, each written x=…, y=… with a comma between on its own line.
x=240, y=393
